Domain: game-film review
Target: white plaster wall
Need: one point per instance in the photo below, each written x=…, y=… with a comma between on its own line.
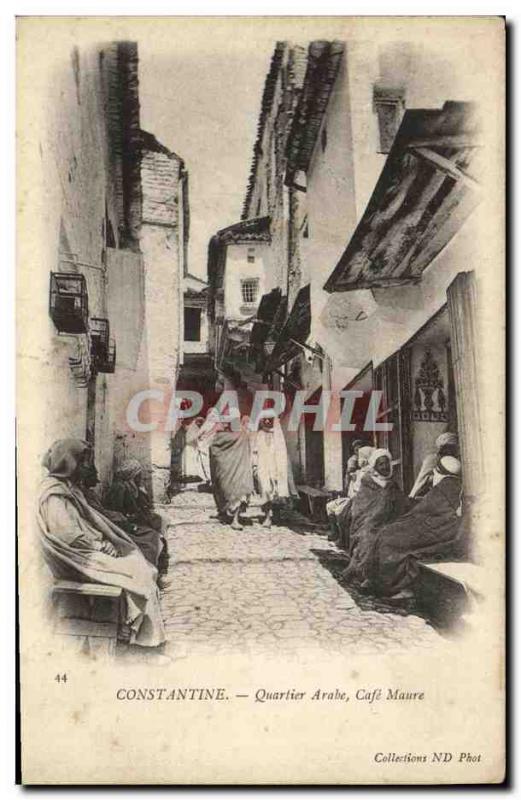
x=126, y=307
x=237, y=268
x=68, y=169
x=332, y=441
x=332, y=216
x=163, y=284
x=363, y=72
x=63, y=179
x=330, y=190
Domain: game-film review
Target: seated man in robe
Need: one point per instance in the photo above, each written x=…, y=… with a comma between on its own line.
x=343, y=513
x=378, y=501
x=128, y=497
x=430, y=530
x=335, y=507
x=81, y=544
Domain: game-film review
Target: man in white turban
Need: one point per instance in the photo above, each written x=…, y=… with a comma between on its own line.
x=446, y=445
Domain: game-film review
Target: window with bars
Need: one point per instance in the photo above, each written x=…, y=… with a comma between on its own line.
x=251, y=255
x=249, y=290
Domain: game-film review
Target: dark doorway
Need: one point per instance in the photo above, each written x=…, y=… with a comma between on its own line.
x=314, y=443
x=192, y=324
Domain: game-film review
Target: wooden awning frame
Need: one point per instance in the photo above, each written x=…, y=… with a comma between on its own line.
x=289, y=342
x=424, y=194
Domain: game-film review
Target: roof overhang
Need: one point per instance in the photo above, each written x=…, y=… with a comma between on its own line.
x=324, y=60
x=427, y=189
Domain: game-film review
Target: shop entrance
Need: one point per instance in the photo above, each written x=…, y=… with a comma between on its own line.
x=418, y=397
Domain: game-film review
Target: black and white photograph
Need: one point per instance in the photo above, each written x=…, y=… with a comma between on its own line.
x=260, y=346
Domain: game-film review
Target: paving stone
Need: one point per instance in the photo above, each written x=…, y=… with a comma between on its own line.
x=266, y=591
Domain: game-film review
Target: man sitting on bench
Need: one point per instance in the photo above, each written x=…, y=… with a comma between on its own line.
x=128, y=505
x=80, y=544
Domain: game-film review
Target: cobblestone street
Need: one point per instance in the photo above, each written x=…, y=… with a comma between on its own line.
x=261, y=590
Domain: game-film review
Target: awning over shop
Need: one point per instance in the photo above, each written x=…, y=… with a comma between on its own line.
x=295, y=331
x=232, y=340
x=426, y=190
x=265, y=316
x=279, y=320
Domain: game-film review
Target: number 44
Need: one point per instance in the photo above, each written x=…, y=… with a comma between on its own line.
x=61, y=678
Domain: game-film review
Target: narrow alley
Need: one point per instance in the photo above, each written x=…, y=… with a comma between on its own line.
x=266, y=591
x=259, y=364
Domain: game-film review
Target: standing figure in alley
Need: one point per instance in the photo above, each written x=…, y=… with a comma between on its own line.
x=271, y=460
x=197, y=457
x=203, y=437
x=127, y=496
x=80, y=544
x=231, y=469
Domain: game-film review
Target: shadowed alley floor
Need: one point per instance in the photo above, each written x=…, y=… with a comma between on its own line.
x=274, y=590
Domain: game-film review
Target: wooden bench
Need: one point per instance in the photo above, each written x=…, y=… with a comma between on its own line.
x=314, y=502
x=448, y=590
x=89, y=613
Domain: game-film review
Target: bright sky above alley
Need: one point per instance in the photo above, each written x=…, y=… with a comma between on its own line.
x=208, y=117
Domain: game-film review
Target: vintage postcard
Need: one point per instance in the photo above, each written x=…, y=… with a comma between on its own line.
x=261, y=339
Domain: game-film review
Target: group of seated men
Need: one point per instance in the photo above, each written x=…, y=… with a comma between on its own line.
x=116, y=539
x=386, y=534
